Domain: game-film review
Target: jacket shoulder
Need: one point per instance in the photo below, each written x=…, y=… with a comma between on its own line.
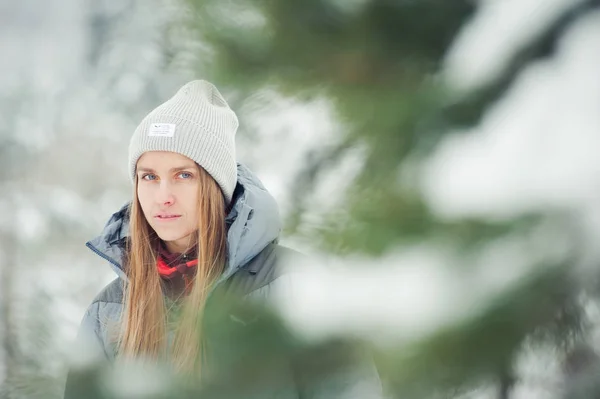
x=112, y=293
x=262, y=270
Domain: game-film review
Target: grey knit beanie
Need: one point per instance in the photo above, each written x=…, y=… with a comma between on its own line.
x=195, y=122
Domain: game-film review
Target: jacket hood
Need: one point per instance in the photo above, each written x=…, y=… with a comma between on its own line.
x=253, y=222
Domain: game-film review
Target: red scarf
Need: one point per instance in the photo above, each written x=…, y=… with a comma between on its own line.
x=175, y=266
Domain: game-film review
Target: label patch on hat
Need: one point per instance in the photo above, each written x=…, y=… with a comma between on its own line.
x=161, y=129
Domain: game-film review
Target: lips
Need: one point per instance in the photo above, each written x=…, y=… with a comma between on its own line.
x=166, y=216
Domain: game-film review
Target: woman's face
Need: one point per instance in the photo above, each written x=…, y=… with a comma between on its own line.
x=167, y=189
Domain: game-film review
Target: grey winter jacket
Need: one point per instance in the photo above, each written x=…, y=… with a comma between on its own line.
x=254, y=269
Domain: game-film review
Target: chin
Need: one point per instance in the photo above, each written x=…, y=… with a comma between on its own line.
x=172, y=235
x=168, y=236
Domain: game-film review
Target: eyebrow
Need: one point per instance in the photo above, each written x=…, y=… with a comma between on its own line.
x=172, y=170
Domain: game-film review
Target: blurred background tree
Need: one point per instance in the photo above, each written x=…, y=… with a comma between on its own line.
x=515, y=286
x=381, y=64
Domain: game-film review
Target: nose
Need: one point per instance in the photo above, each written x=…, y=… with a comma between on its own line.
x=164, y=194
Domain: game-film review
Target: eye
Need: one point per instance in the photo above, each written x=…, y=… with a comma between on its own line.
x=185, y=175
x=148, y=176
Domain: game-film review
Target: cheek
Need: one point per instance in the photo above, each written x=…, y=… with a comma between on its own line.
x=144, y=198
x=190, y=201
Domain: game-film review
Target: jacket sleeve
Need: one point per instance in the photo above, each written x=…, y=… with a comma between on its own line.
x=89, y=356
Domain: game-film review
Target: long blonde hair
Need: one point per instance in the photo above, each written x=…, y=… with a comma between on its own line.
x=144, y=320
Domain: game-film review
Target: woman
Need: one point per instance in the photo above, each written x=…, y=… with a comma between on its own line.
x=198, y=223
